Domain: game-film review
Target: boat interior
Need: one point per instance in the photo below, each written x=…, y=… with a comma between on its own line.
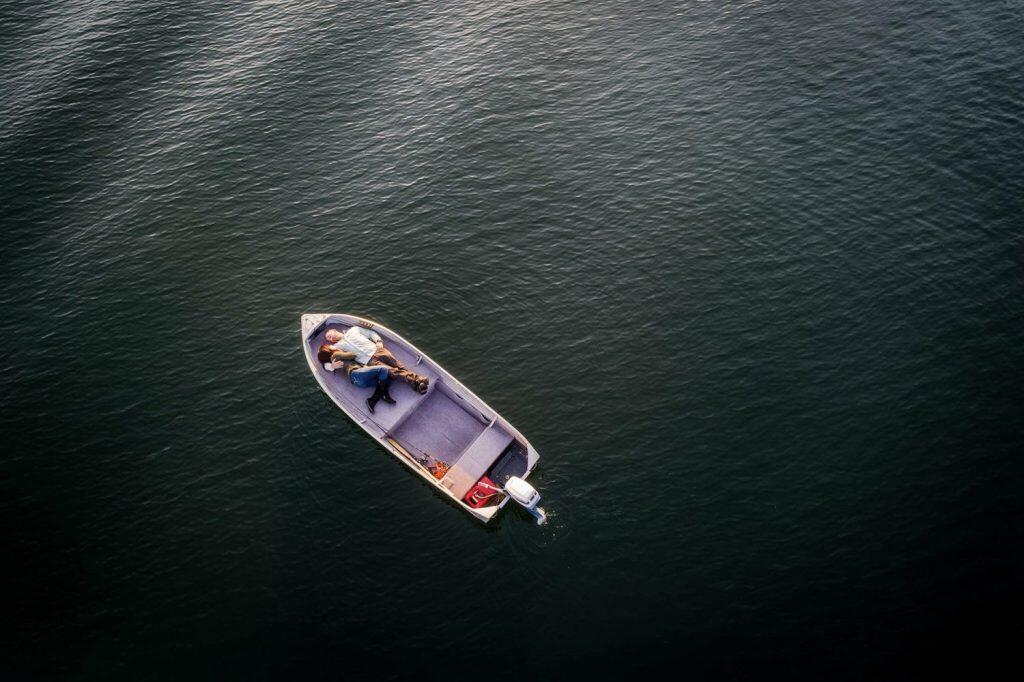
x=445, y=424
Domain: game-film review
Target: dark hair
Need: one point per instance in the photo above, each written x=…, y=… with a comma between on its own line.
x=323, y=355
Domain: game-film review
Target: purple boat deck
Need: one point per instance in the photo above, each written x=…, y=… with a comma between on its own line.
x=439, y=426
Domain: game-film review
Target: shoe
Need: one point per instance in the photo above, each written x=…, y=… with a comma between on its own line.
x=386, y=397
x=375, y=398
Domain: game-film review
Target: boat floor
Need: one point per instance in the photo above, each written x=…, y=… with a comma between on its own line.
x=439, y=427
x=439, y=423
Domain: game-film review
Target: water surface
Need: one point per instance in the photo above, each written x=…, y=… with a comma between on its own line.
x=748, y=275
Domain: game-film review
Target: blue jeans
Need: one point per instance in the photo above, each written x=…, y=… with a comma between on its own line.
x=368, y=377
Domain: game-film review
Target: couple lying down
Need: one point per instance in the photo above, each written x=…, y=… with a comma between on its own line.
x=361, y=353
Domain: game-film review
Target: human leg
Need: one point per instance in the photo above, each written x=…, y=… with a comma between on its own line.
x=381, y=391
x=397, y=370
x=375, y=376
x=383, y=384
x=368, y=376
x=384, y=356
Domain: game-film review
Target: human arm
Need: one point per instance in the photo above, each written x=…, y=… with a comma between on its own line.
x=370, y=334
x=339, y=357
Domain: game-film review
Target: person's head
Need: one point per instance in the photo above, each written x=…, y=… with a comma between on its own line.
x=332, y=336
x=323, y=355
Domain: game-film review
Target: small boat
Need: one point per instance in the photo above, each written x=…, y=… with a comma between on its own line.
x=448, y=436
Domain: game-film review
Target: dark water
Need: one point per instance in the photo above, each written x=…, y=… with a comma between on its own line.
x=749, y=275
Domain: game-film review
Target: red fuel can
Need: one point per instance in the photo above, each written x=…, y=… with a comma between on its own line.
x=482, y=494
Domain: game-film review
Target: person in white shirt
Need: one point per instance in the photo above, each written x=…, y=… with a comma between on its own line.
x=363, y=342
x=368, y=348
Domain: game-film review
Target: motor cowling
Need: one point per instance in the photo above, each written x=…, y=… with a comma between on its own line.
x=526, y=495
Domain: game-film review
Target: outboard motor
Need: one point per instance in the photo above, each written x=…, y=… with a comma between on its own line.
x=526, y=495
